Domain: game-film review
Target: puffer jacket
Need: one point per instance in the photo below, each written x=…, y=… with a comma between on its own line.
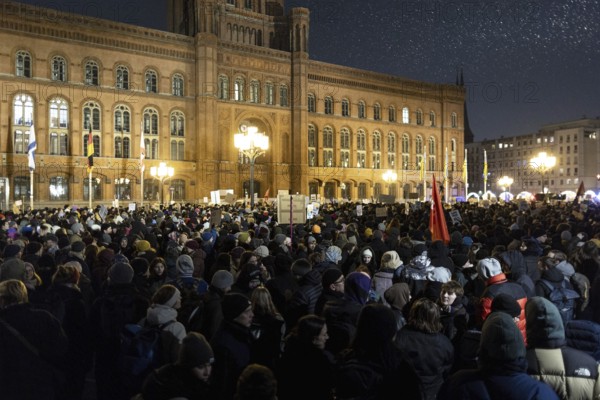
x=572, y=373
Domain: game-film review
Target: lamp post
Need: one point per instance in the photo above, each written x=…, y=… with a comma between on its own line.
x=505, y=182
x=390, y=176
x=251, y=144
x=544, y=162
x=161, y=173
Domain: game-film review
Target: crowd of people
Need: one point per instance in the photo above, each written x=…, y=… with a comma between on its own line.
x=357, y=303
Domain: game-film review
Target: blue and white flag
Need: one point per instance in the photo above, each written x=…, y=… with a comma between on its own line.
x=31, y=149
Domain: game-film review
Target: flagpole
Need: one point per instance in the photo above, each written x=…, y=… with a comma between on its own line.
x=90, y=189
x=424, y=179
x=446, y=191
x=466, y=175
x=31, y=189
x=142, y=187
x=142, y=166
x=484, y=173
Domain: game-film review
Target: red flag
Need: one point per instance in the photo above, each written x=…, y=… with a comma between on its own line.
x=580, y=193
x=437, y=219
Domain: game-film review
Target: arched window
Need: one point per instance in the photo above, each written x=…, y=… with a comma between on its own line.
x=376, y=150
x=432, y=154
x=345, y=147
x=269, y=93
x=238, y=89
x=283, y=96
x=177, y=124
x=328, y=105
x=59, y=69
x=392, y=114
x=59, y=188
x=151, y=79
x=376, y=112
x=23, y=64
x=151, y=133
x=22, y=122
x=21, y=188
x=405, y=115
x=431, y=118
x=122, y=131
x=361, y=146
x=419, y=117
x=454, y=120
x=122, y=77
x=419, y=144
x=91, y=122
x=254, y=91
x=223, y=87
x=328, y=159
x=177, y=85
x=178, y=191
x=391, y=150
x=91, y=73
x=312, y=103
x=312, y=146
x=362, y=190
x=96, y=188
x=362, y=112
x=345, y=108
x=405, y=151
x=58, y=126
x=177, y=149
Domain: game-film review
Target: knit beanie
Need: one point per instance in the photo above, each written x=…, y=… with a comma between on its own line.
x=333, y=254
x=77, y=246
x=222, y=279
x=439, y=274
x=460, y=259
x=331, y=275
x=142, y=245
x=13, y=269
x=192, y=244
x=120, y=273
x=233, y=304
x=301, y=267
x=280, y=238
x=173, y=300
x=262, y=251
x=140, y=265
x=11, y=250
x=106, y=257
x=501, y=340
x=185, y=266
x=244, y=237
x=195, y=351
x=391, y=260
x=488, y=267
x=507, y=304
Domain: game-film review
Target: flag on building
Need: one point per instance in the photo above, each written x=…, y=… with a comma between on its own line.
x=437, y=219
x=31, y=149
x=142, y=149
x=90, y=149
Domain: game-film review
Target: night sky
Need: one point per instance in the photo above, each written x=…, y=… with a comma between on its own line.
x=526, y=63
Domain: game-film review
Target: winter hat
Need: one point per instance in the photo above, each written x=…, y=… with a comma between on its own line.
x=106, y=257
x=397, y=295
x=368, y=232
x=280, y=238
x=333, y=254
x=233, y=304
x=357, y=287
x=501, y=340
x=52, y=237
x=544, y=323
x=391, y=260
x=140, y=265
x=195, y=351
x=13, y=269
x=236, y=252
x=419, y=249
x=11, y=250
x=142, y=245
x=301, y=267
x=505, y=303
x=367, y=252
x=173, y=300
x=455, y=238
x=120, y=273
x=316, y=229
x=192, y=244
x=185, y=266
x=206, y=236
x=244, y=237
x=460, y=259
x=566, y=236
x=331, y=275
x=311, y=239
x=78, y=246
x=439, y=274
x=377, y=234
x=262, y=251
x=468, y=241
x=222, y=279
x=566, y=268
x=488, y=267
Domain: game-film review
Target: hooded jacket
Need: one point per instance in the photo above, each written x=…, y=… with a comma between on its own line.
x=572, y=373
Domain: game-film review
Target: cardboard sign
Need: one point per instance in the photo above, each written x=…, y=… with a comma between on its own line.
x=291, y=209
x=455, y=216
x=381, y=212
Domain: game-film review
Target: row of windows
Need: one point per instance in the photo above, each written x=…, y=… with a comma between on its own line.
x=59, y=128
x=345, y=138
x=91, y=74
x=59, y=188
x=361, y=111
x=252, y=92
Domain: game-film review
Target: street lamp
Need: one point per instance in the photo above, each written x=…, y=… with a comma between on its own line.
x=251, y=144
x=161, y=173
x=390, y=176
x=505, y=182
x=544, y=162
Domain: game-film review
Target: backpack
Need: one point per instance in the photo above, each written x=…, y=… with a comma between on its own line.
x=141, y=351
x=192, y=305
x=563, y=298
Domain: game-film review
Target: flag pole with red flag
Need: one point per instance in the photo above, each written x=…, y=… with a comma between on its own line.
x=437, y=219
x=580, y=193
